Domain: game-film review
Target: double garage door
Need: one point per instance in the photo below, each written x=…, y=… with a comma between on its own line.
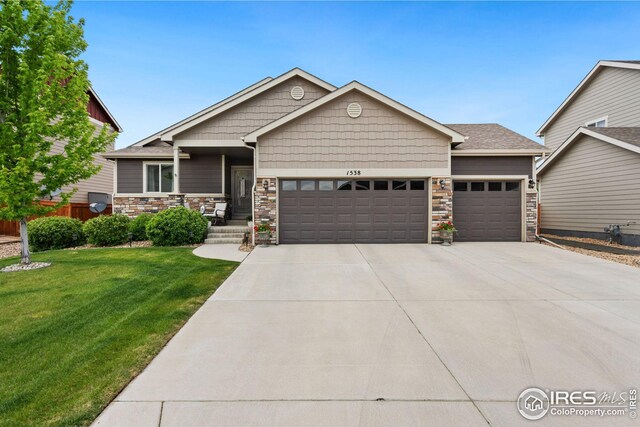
x=393, y=210
x=358, y=210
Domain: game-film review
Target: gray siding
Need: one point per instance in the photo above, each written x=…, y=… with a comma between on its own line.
x=592, y=185
x=614, y=92
x=328, y=138
x=101, y=182
x=202, y=173
x=129, y=176
x=486, y=165
x=255, y=113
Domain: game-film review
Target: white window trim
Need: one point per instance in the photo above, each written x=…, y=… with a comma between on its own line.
x=604, y=119
x=144, y=178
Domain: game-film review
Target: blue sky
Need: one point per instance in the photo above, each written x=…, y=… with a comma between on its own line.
x=154, y=63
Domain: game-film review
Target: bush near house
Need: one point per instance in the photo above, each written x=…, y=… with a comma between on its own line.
x=138, y=227
x=107, y=230
x=177, y=226
x=54, y=232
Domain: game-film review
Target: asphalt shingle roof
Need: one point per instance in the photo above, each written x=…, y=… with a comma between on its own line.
x=629, y=135
x=149, y=149
x=492, y=136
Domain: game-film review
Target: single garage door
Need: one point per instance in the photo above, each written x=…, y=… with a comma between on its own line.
x=353, y=211
x=487, y=211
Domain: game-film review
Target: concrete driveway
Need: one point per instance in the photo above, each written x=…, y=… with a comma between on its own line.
x=394, y=335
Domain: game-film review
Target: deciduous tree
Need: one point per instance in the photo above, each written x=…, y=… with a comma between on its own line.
x=43, y=98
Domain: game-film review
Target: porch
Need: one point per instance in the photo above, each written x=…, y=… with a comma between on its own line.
x=191, y=175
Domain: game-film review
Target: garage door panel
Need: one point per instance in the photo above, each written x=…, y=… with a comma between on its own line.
x=487, y=215
x=362, y=216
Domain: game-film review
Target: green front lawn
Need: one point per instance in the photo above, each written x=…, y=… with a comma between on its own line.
x=74, y=334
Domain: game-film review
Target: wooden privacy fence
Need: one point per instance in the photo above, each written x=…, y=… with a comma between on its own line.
x=73, y=210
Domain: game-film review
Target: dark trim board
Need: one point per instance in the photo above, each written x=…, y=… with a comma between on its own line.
x=627, y=239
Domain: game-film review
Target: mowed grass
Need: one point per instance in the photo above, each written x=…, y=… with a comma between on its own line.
x=74, y=334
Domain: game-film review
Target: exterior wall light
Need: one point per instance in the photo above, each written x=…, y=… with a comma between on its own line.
x=532, y=183
x=265, y=184
x=442, y=184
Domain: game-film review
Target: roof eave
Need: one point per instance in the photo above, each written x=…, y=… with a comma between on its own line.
x=501, y=152
x=116, y=155
x=578, y=89
x=574, y=136
x=103, y=105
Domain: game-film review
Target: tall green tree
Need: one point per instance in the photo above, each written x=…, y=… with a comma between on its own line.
x=43, y=98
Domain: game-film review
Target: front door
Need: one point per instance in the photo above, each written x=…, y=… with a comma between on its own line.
x=241, y=183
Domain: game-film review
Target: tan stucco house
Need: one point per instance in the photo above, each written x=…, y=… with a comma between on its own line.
x=592, y=178
x=326, y=164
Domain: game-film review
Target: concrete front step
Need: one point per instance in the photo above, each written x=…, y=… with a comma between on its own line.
x=219, y=241
x=225, y=236
x=228, y=229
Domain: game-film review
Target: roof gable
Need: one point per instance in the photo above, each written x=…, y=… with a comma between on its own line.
x=254, y=113
x=455, y=136
x=242, y=97
x=156, y=136
x=633, y=65
x=627, y=138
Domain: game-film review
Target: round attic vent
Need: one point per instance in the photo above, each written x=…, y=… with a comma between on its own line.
x=297, y=93
x=354, y=110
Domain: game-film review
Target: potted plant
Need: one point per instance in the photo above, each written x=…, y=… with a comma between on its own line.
x=446, y=230
x=249, y=220
x=264, y=234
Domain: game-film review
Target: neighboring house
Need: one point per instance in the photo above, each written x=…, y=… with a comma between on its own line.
x=592, y=179
x=102, y=182
x=97, y=188
x=333, y=165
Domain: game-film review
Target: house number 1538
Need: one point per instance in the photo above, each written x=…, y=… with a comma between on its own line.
x=354, y=172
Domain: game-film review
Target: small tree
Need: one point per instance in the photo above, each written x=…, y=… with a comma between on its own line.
x=43, y=98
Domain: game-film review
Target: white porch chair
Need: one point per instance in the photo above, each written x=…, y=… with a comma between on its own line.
x=219, y=215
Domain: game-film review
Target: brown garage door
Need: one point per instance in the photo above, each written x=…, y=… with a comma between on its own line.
x=487, y=211
x=353, y=211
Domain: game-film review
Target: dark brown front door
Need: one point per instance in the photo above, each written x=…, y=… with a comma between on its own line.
x=487, y=211
x=353, y=211
x=241, y=183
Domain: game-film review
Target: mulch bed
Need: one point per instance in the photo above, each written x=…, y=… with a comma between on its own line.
x=629, y=255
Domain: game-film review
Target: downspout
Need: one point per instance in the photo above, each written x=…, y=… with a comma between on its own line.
x=253, y=190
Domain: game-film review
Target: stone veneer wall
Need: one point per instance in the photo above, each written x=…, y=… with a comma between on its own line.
x=441, y=206
x=134, y=206
x=266, y=205
x=531, y=203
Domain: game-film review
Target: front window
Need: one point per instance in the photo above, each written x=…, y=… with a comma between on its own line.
x=159, y=178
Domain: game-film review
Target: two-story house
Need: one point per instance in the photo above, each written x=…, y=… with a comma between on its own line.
x=592, y=178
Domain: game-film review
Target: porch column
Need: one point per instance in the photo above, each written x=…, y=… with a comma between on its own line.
x=176, y=170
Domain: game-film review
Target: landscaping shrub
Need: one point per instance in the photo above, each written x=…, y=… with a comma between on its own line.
x=107, y=230
x=138, y=227
x=54, y=232
x=176, y=226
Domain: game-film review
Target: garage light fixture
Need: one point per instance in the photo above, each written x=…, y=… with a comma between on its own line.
x=442, y=184
x=532, y=183
x=265, y=184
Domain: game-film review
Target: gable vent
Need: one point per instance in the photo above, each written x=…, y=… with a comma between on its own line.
x=297, y=93
x=354, y=110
